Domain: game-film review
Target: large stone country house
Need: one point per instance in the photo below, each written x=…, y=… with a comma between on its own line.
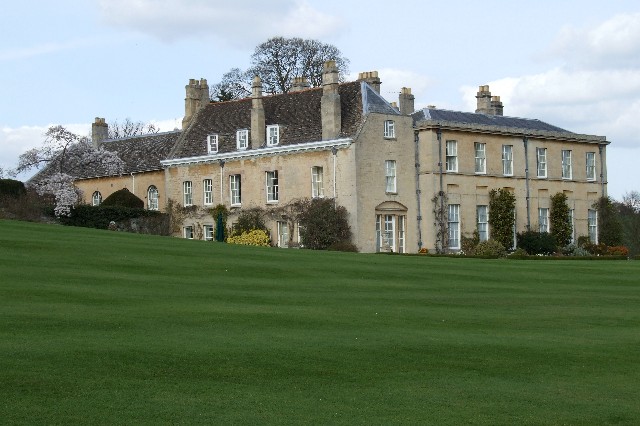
x=384, y=163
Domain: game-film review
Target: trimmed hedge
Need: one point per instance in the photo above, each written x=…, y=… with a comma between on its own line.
x=129, y=219
x=12, y=188
x=537, y=242
x=123, y=198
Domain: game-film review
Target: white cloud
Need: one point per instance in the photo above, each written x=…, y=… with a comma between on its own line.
x=45, y=48
x=613, y=43
x=241, y=22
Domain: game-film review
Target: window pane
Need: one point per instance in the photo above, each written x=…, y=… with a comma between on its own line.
x=483, y=222
x=452, y=156
x=481, y=160
x=454, y=226
x=507, y=160
x=317, y=188
x=390, y=174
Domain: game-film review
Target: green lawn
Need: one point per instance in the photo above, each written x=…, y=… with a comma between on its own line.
x=100, y=327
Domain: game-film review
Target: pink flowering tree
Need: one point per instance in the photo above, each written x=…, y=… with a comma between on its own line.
x=63, y=157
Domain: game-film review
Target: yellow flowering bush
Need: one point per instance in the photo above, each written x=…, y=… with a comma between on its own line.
x=255, y=237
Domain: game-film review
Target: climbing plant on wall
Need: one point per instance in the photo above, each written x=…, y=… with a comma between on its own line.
x=502, y=207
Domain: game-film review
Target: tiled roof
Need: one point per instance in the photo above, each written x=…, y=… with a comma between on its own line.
x=442, y=115
x=139, y=154
x=142, y=153
x=297, y=114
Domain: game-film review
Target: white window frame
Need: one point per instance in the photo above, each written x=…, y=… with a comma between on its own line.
x=187, y=193
x=208, y=232
x=541, y=163
x=592, y=225
x=453, y=225
x=212, y=144
x=242, y=139
x=567, y=172
x=543, y=219
x=402, y=232
x=480, y=149
x=390, y=173
x=235, y=190
x=207, y=192
x=317, y=184
x=482, y=222
x=96, y=198
x=507, y=160
x=273, y=135
x=271, y=184
x=152, y=198
x=451, y=156
x=591, y=166
x=283, y=234
x=389, y=129
x=188, y=232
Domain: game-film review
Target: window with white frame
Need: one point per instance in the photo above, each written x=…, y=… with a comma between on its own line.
x=543, y=219
x=188, y=232
x=507, y=160
x=207, y=187
x=481, y=157
x=390, y=175
x=541, y=162
x=212, y=144
x=452, y=156
x=235, y=190
x=208, y=232
x=482, y=215
x=187, y=193
x=566, y=164
x=242, y=139
x=152, y=198
x=572, y=219
x=272, y=186
x=402, y=232
x=283, y=234
x=592, y=224
x=273, y=135
x=96, y=198
x=391, y=233
x=389, y=129
x=591, y=166
x=317, y=185
x=453, y=222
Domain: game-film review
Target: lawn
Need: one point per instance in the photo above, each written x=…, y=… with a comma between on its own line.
x=100, y=327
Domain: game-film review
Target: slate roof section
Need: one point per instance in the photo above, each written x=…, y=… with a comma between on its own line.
x=297, y=114
x=442, y=115
x=139, y=154
x=142, y=153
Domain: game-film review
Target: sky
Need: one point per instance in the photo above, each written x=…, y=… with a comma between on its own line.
x=573, y=64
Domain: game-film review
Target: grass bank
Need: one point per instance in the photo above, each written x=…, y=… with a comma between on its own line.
x=104, y=327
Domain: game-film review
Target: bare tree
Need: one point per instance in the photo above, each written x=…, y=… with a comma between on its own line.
x=277, y=61
x=235, y=84
x=632, y=201
x=63, y=157
x=130, y=128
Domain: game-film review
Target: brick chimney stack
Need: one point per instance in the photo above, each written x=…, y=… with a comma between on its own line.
x=197, y=97
x=488, y=104
x=99, y=132
x=258, y=129
x=299, y=83
x=406, y=101
x=496, y=105
x=330, y=102
x=372, y=78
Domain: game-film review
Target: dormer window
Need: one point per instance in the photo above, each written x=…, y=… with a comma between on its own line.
x=242, y=139
x=212, y=144
x=273, y=135
x=389, y=129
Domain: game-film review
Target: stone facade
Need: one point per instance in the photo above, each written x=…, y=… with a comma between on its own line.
x=384, y=164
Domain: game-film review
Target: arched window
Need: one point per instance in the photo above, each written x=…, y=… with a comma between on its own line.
x=96, y=199
x=152, y=198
